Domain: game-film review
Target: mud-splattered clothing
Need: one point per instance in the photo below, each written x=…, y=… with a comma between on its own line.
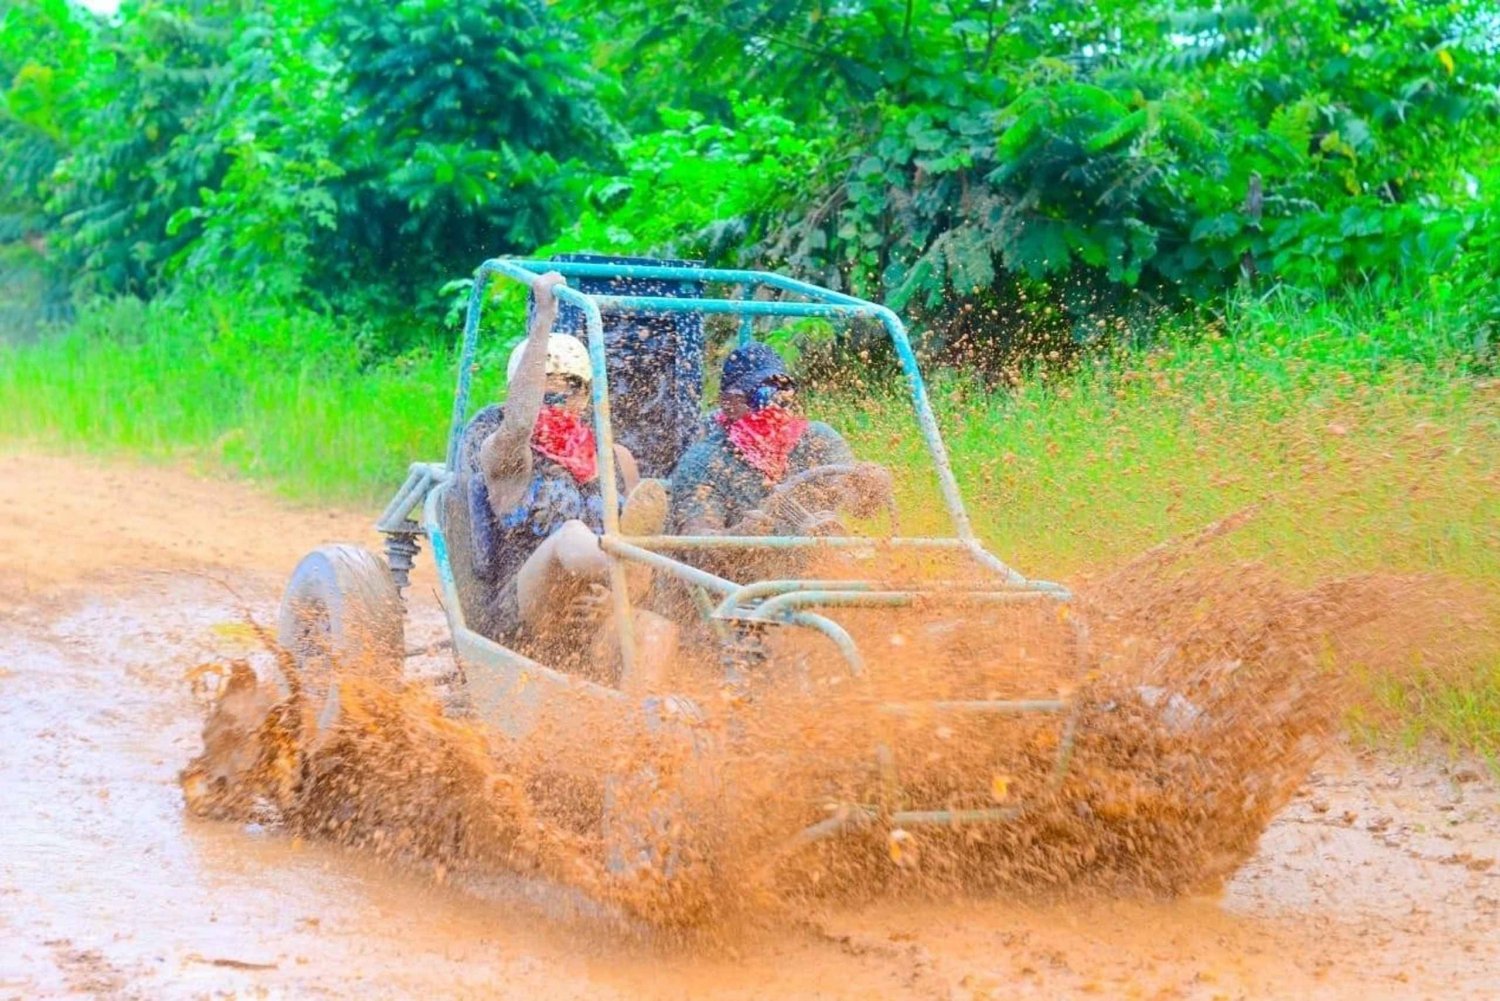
x=501, y=545
x=713, y=485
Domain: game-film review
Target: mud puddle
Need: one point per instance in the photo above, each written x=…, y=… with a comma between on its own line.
x=108, y=890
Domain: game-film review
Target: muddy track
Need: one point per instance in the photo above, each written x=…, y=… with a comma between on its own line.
x=1380, y=880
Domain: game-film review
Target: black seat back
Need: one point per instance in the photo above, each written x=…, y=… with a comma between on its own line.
x=655, y=363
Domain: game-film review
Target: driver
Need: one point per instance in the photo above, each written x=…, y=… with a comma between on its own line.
x=758, y=441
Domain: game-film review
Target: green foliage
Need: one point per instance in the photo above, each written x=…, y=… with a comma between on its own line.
x=694, y=188
x=464, y=117
x=1008, y=174
x=263, y=225
x=355, y=153
x=37, y=104
x=833, y=61
x=135, y=153
x=375, y=148
x=1318, y=145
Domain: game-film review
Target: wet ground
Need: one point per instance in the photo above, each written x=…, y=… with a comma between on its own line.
x=1381, y=880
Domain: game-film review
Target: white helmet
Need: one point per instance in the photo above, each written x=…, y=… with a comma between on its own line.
x=566, y=355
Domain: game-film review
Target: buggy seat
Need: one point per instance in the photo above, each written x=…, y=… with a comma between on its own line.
x=654, y=362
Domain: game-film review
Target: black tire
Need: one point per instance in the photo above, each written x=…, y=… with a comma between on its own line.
x=340, y=615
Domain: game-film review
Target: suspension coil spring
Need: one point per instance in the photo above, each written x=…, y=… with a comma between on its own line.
x=401, y=549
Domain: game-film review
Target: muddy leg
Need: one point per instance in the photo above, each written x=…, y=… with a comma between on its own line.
x=557, y=573
x=656, y=642
x=645, y=513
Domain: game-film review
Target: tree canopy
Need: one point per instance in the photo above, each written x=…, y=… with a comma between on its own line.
x=1047, y=162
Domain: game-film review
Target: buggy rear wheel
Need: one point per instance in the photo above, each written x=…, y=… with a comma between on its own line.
x=340, y=615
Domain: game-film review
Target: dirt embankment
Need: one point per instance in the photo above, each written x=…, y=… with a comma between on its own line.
x=1378, y=880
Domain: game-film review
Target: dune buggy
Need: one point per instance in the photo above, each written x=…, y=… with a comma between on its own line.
x=344, y=605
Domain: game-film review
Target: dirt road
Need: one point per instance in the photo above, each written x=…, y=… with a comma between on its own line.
x=1380, y=881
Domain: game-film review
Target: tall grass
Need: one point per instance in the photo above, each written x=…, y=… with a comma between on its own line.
x=1363, y=436
x=283, y=397
x=1365, y=433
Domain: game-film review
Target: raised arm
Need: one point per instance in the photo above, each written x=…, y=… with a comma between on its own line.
x=505, y=455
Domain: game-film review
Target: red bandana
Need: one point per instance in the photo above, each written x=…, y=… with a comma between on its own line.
x=765, y=438
x=560, y=436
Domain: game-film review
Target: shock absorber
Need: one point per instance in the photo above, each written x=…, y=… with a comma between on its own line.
x=401, y=549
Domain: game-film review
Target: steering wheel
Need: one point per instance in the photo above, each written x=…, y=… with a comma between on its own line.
x=860, y=488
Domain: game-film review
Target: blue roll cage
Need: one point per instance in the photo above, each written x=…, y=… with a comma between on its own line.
x=509, y=688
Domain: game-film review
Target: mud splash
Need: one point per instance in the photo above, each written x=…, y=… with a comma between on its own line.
x=1210, y=692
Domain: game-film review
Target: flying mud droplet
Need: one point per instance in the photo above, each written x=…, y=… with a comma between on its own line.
x=902, y=848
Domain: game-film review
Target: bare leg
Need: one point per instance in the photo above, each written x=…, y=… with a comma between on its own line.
x=656, y=640
x=559, y=571
x=645, y=513
x=570, y=562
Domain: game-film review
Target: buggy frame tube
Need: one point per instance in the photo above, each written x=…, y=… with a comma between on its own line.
x=767, y=588
x=835, y=633
x=769, y=609
x=825, y=302
x=783, y=601
x=421, y=477
x=608, y=487
x=978, y=553
x=626, y=549
x=466, y=366
x=791, y=542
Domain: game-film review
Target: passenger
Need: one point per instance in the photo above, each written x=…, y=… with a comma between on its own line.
x=535, y=499
x=737, y=479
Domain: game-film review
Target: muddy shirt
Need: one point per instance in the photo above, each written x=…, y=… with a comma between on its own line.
x=552, y=497
x=713, y=484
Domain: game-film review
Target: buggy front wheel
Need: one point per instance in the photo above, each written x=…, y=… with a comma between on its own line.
x=340, y=616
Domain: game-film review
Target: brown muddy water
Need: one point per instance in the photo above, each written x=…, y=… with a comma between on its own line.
x=1377, y=879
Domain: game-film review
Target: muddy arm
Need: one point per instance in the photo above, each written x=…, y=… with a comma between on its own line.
x=505, y=456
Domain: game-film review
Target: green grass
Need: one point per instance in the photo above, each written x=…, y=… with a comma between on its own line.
x=1364, y=449
x=284, y=398
x=1365, y=437
x=1361, y=430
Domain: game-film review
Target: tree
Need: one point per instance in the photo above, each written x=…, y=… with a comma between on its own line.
x=459, y=123
x=357, y=152
x=38, y=111
x=142, y=145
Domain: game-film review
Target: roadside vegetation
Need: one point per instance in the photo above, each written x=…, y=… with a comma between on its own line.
x=1166, y=262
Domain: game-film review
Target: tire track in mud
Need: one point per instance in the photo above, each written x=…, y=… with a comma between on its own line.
x=106, y=889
